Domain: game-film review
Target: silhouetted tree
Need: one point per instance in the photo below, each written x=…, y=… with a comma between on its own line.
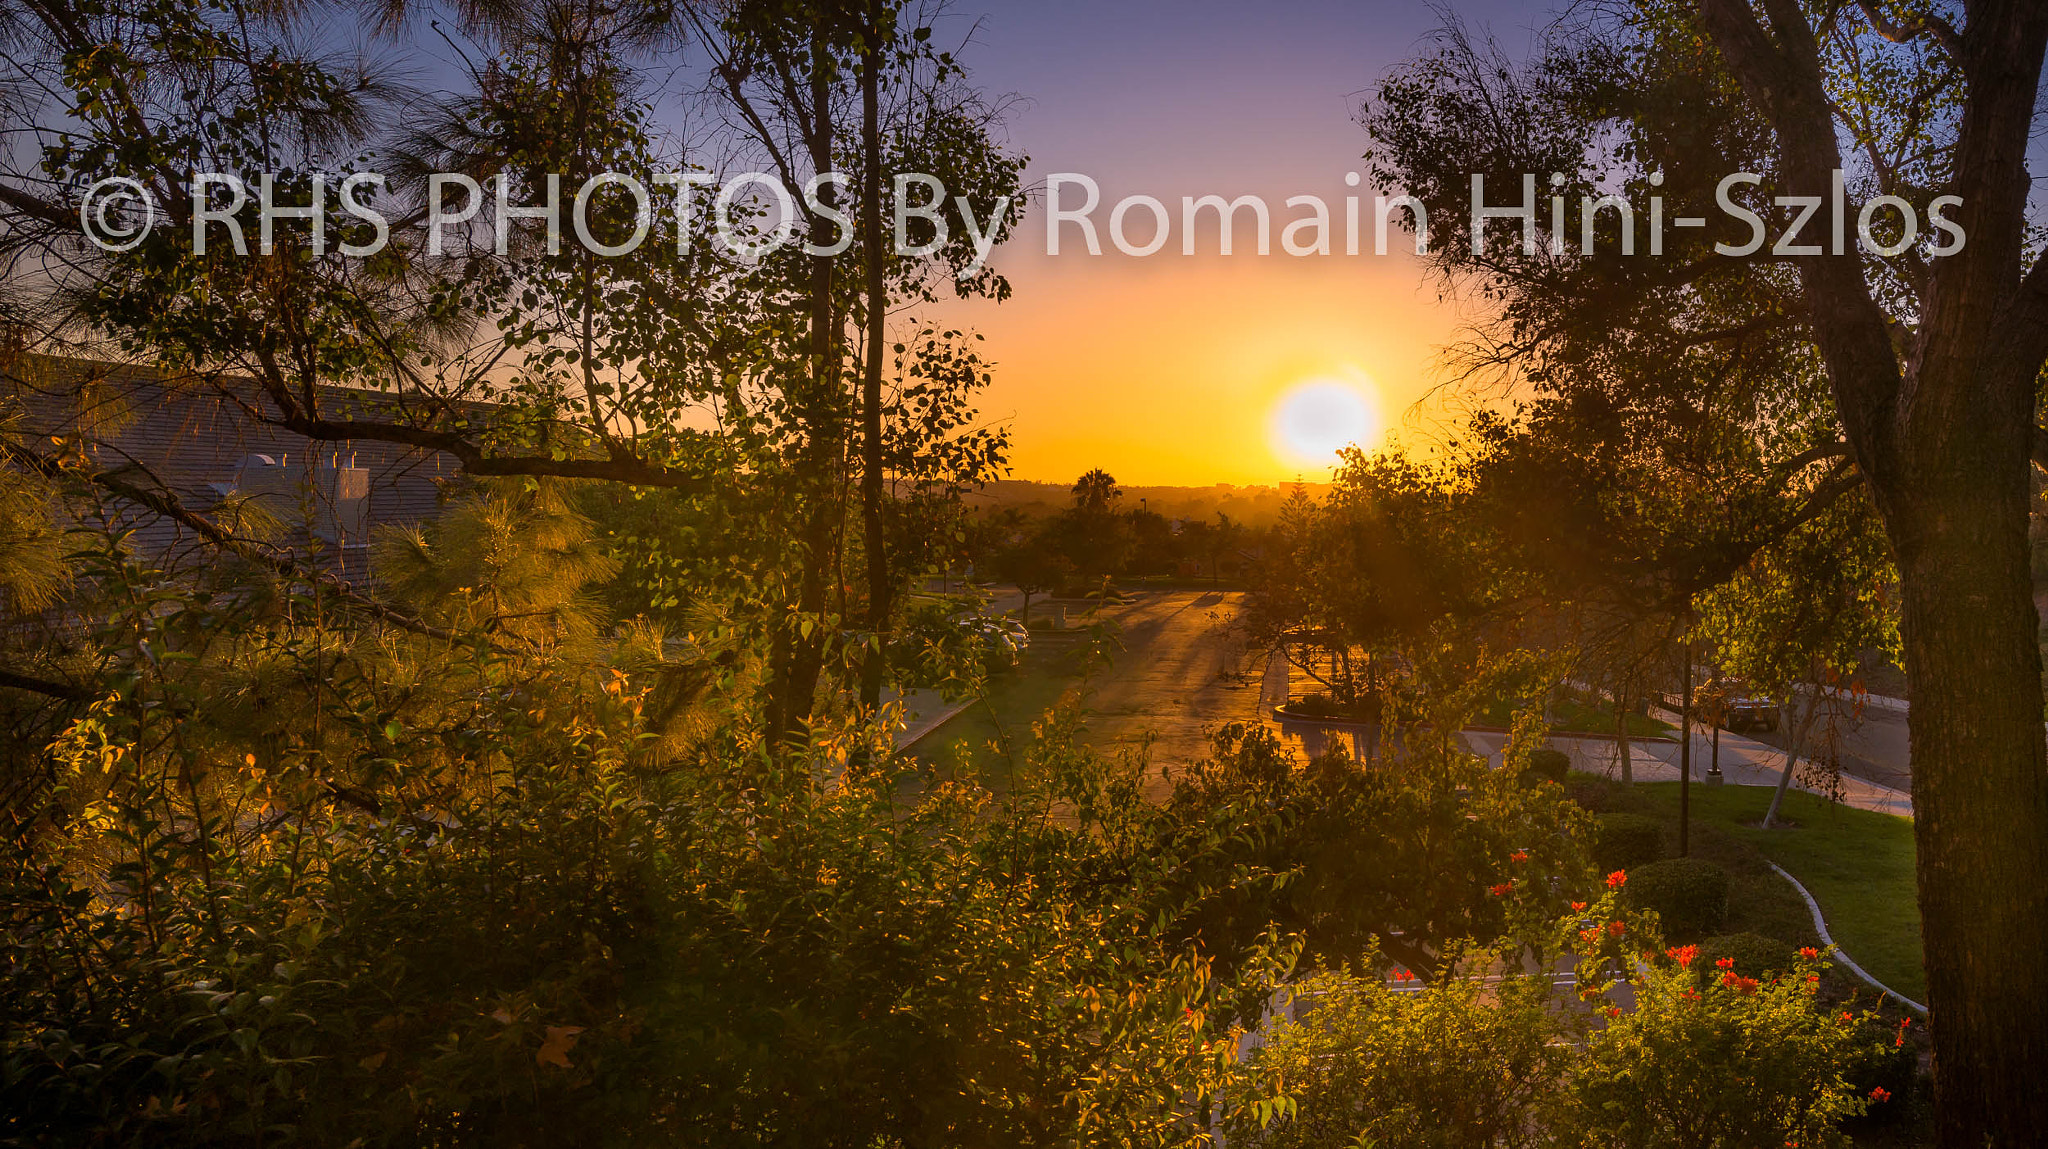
x=1931, y=364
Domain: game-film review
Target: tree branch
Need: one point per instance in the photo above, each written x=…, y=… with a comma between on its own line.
x=300, y=415
x=38, y=207
x=1780, y=71
x=59, y=690
x=166, y=504
x=1931, y=24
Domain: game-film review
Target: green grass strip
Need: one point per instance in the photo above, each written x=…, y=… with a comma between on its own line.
x=1858, y=865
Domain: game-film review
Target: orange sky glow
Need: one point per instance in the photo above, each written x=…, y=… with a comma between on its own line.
x=1167, y=369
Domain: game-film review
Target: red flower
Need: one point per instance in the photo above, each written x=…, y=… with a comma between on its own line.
x=1846, y=1019
x=1730, y=978
x=1880, y=1094
x=1617, y=879
x=1402, y=975
x=1519, y=856
x=1808, y=952
x=1577, y=906
x=1683, y=955
x=1612, y=1011
x=1725, y=963
x=1501, y=890
x=1616, y=928
x=1745, y=985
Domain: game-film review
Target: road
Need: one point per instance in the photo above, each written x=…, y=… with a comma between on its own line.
x=1744, y=762
x=1178, y=677
x=1871, y=745
x=1181, y=673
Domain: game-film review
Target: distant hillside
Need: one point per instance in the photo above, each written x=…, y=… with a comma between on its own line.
x=1251, y=505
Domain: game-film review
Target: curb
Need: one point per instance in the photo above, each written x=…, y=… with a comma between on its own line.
x=913, y=736
x=1281, y=714
x=1633, y=739
x=1820, y=926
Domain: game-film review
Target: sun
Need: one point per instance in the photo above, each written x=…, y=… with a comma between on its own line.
x=1316, y=417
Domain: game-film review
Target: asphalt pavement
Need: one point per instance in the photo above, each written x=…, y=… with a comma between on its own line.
x=1869, y=742
x=1179, y=676
x=1181, y=673
x=1744, y=761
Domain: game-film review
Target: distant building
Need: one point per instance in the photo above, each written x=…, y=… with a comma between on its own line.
x=198, y=441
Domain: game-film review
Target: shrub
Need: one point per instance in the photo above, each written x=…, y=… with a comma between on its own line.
x=1416, y=853
x=1319, y=705
x=1546, y=765
x=1884, y=1065
x=1729, y=1063
x=1690, y=895
x=1441, y=1068
x=1625, y=841
x=1732, y=1064
x=1755, y=955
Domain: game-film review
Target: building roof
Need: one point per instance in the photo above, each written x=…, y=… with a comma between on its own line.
x=197, y=439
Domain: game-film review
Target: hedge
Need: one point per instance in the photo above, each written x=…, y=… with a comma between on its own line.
x=1755, y=955
x=1625, y=841
x=1546, y=765
x=1690, y=895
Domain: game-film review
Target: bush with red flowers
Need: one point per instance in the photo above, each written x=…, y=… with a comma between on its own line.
x=1738, y=1062
x=1504, y=1059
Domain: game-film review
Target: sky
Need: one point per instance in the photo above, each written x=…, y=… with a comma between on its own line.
x=1174, y=369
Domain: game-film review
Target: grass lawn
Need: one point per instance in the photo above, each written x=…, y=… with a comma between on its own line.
x=982, y=740
x=1857, y=864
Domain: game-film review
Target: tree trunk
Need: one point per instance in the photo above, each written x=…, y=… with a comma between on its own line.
x=1980, y=803
x=1795, y=734
x=1944, y=434
x=1623, y=754
x=797, y=659
x=875, y=527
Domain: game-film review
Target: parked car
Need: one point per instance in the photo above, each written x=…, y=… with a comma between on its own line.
x=1001, y=639
x=1743, y=711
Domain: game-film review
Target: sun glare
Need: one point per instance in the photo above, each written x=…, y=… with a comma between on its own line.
x=1317, y=417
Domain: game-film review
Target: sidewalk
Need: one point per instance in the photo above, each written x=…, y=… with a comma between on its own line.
x=1744, y=762
x=923, y=712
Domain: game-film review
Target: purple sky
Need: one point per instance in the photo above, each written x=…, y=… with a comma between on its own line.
x=1169, y=92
